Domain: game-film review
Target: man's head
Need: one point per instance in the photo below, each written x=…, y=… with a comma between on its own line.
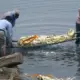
x=11, y=16
x=16, y=14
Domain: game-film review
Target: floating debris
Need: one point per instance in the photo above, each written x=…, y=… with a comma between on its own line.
x=35, y=40
x=45, y=77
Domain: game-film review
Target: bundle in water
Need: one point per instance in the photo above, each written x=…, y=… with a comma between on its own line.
x=35, y=40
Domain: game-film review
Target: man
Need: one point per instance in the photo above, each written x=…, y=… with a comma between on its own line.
x=78, y=28
x=6, y=25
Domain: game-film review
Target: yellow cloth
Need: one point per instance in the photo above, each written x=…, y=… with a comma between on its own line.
x=46, y=39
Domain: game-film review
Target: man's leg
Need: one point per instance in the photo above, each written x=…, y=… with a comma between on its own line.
x=9, y=42
x=78, y=34
x=9, y=45
x=2, y=44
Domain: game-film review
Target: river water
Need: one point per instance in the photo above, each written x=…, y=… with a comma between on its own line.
x=47, y=17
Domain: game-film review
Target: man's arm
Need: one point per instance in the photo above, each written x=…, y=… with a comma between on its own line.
x=9, y=34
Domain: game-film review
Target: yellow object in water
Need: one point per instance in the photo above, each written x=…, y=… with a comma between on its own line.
x=30, y=39
x=46, y=39
x=42, y=77
x=71, y=33
x=27, y=40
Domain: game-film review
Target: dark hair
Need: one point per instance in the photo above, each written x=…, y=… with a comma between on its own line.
x=8, y=18
x=16, y=15
x=12, y=17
